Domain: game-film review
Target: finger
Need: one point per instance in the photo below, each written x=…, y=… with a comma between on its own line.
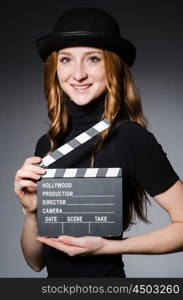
x=22, y=174
x=47, y=240
x=33, y=160
x=25, y=184
x=70, y=240
x=70, y=250
x=33, y=168
x=52, y=242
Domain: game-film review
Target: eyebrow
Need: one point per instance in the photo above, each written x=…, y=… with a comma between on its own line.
x=86, y=53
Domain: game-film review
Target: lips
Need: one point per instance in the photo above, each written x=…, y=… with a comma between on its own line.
x=81, y=87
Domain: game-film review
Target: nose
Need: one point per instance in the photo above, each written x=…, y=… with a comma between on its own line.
x=79, y=72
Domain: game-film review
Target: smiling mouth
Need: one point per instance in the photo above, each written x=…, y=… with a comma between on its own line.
x=81, y=87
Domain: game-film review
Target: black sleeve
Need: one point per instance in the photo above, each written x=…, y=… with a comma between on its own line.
x=151, y=167
x=42, y=146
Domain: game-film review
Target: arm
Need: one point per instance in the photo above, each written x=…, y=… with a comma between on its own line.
x=32, y=250
x=26, y=191
x=165, y=240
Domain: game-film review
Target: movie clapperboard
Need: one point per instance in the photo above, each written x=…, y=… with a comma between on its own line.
x=79, y=201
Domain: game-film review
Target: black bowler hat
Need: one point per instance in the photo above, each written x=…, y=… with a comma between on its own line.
x=86, y=26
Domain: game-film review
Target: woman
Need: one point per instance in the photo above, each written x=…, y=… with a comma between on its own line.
x=88, y=78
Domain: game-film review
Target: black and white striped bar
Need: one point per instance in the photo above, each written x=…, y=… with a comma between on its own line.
x=82, y=172
x=74, y=143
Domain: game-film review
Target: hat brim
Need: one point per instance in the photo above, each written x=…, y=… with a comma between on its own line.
x=56, y=41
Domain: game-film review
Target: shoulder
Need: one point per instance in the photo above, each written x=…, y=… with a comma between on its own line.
x=42, y=146
x=130, y=126
x=134, y=133
x=147, y=161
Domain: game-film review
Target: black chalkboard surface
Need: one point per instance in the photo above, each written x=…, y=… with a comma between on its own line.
x=80, y=202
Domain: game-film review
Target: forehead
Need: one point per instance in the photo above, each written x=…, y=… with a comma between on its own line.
x=79, y=50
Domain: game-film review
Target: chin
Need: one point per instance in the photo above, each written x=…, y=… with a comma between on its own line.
x=81, y=101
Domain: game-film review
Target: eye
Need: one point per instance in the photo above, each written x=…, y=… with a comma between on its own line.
x=64, y=59
x=94, y=59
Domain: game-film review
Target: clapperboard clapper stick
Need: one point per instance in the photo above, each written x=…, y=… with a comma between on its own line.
x=79, y=201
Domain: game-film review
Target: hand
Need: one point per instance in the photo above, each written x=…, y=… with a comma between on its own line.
x=25, y=183
x=76, y=245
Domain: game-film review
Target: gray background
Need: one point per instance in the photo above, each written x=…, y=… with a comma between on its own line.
x=155, y=27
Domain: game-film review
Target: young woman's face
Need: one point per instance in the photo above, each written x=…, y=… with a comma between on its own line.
x=81, y=73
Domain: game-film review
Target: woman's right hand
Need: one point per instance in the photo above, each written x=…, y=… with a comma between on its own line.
x=26, y=183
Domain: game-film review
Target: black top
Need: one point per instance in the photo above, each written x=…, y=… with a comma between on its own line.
x=129, y=146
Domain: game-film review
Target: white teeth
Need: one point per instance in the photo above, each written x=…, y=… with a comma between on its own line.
x=81, y=87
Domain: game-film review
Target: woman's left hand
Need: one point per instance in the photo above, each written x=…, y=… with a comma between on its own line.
x=76, y=245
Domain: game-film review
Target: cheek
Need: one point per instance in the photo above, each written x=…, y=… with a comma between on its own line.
x=101, y=79
x=99, y=73
x=62, y=74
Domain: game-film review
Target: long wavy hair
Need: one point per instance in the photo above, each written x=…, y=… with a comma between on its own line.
x=122, y=96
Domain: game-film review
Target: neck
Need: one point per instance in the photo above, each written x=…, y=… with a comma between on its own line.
x=85, y=116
